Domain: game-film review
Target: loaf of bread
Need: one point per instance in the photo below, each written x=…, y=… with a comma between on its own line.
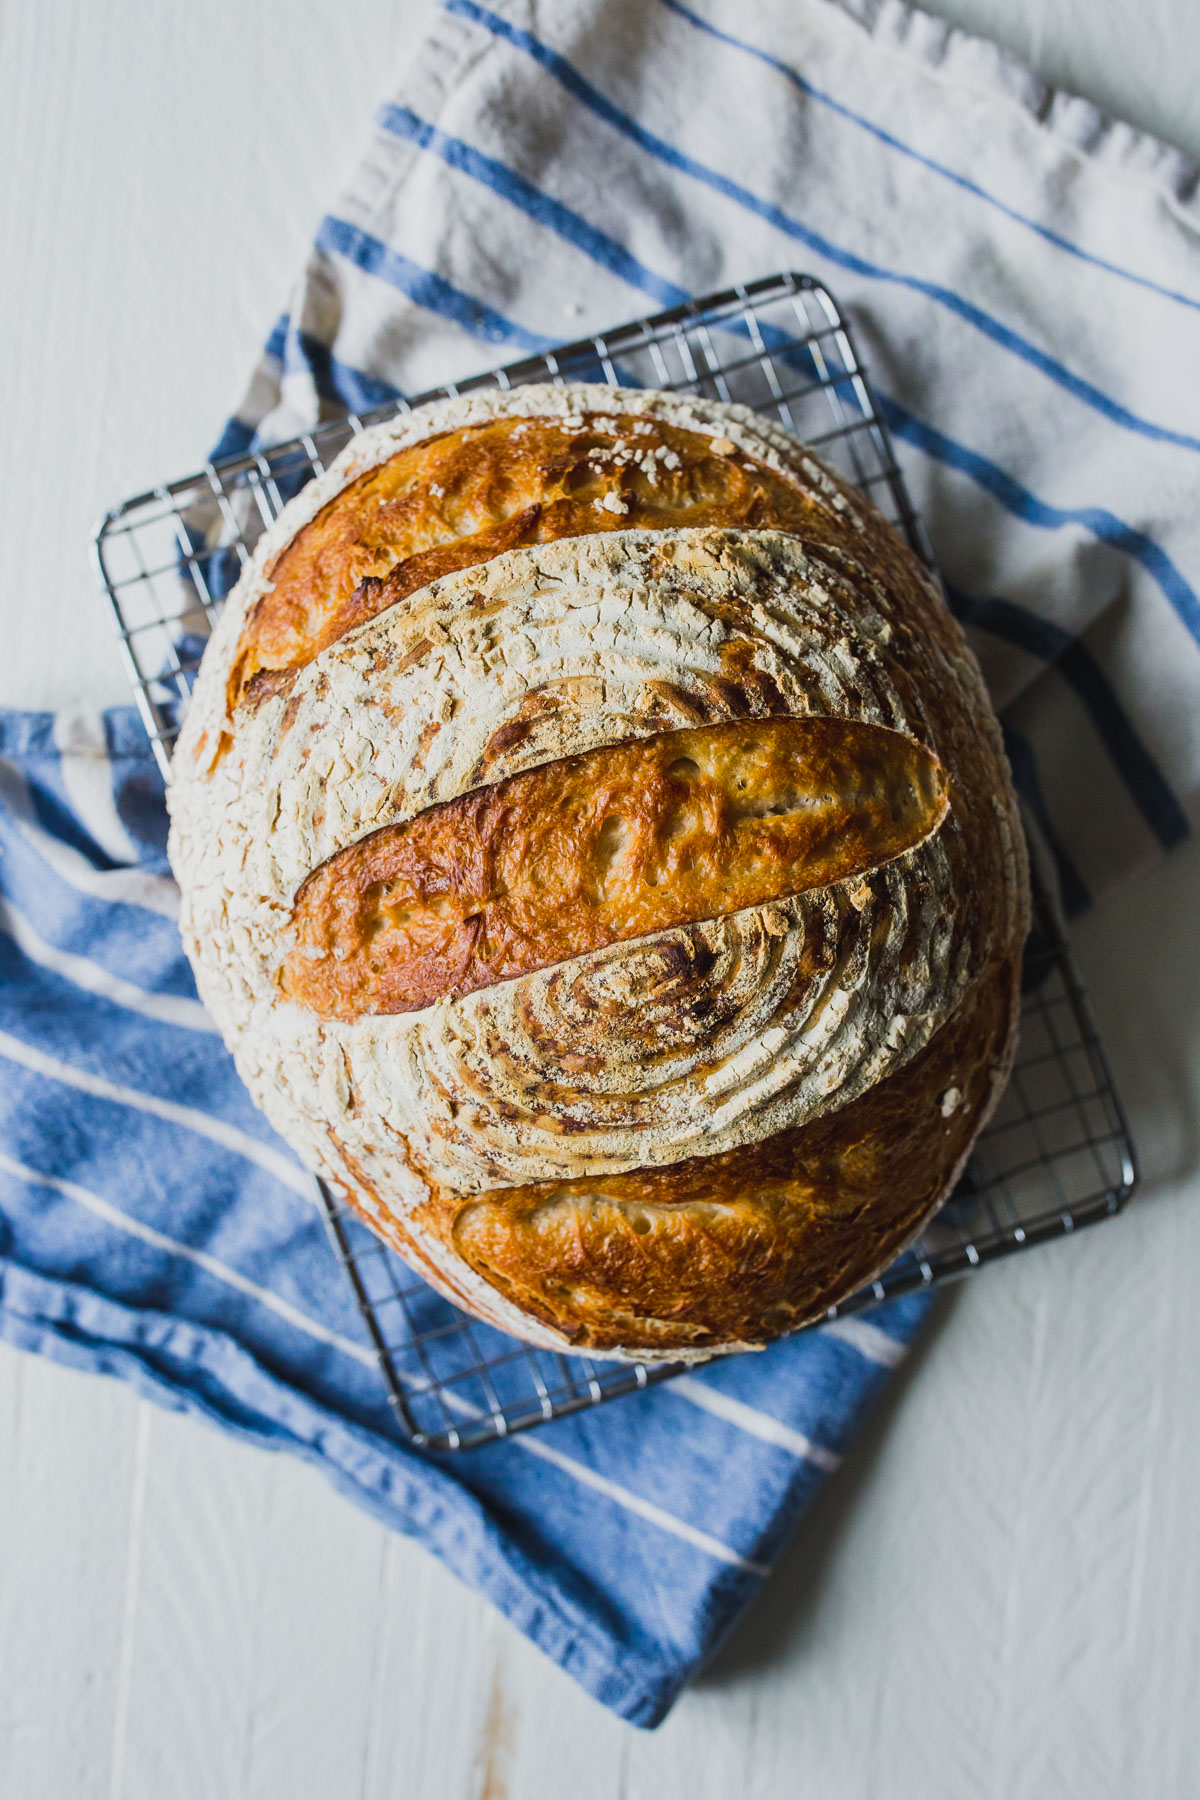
x=597, y=848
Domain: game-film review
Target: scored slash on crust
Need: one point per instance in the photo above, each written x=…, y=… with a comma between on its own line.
x=465, y=1128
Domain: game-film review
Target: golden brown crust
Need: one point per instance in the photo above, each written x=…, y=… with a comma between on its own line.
x=739, y=1247
x=455, y=501
x=836, y=1046
x=600, y=848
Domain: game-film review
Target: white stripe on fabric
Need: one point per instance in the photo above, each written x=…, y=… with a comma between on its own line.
x=634, y=1503
x=869, y=1341
x=622, y=1496
x=750, y=1420
x=131, y=887
x=203, y=1124
x=87, y=776
x=167, y=1009
x=112, y=1215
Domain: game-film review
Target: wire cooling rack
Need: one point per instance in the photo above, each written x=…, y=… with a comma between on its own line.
x=1056, y=1156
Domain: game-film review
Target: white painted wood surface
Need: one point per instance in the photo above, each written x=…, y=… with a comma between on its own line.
x=1000, y=1593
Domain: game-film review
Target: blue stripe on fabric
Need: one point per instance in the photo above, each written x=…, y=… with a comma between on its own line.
x=140, y=947
x=689, y=1501
x=240, y=436
x=928, y=162
x=1071, y=886
x=135, y=950
x=148, y=1272
x=102, y=1042
x=569, y=225
x=1134, y=763
x=423, y=286
x=1161, y=809
x=1083, y=674
x=1008, y=339
x=93, y=1135
x=235, y=440
x=1104, y=525
x=277, y=342
x=1018, y=500
x=336, y=380
x=43, y=780
x=53, y=812
x=401, y=122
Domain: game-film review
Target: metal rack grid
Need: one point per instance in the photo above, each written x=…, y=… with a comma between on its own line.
x=1056, y=1156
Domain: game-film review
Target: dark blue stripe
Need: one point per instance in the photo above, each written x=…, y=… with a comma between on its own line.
x=1082, y=673
x=235, y=440
x=927, y=162
x=424, y=287
x=336, y=380
x=277, y=342
x=573, y=228
x=1071, y=886
x=1162, y=811
x=536, y=205
x=1017, y=499
x=577, y=231
x=582, y=90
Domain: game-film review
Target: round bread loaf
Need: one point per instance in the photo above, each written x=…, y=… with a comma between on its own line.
x=597, y=848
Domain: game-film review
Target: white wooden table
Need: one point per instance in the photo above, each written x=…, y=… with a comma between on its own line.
x=1000, y=1593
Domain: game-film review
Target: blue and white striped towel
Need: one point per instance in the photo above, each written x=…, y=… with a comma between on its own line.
x=1025, y=278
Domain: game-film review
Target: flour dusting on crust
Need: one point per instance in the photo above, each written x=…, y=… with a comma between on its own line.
x=689, y=1042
